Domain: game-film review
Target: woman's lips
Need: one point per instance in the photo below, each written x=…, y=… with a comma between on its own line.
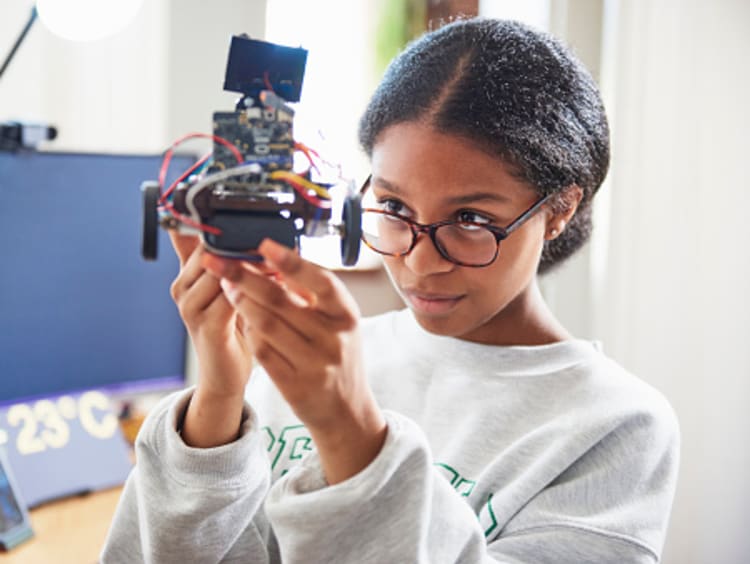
x=434, y=304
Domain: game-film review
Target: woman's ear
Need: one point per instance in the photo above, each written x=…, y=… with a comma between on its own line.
x=562, y=210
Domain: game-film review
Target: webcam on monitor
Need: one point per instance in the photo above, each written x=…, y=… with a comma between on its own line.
x=24, y=135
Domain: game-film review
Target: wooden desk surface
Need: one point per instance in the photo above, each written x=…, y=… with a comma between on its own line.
x=68, y=531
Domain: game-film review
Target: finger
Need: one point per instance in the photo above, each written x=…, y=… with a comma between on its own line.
x=269, y=357
x=286, y=338
x=231, y=270
x=184, y=245
x=200, y=296
x=241, y=282
x=222, y=267
x=295, y=389
x=326, y=292
x=221, y=311
x=189, y=274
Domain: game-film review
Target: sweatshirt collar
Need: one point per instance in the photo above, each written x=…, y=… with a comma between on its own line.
x=516, y=360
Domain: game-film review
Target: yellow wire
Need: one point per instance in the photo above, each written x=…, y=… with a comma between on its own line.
x=286, y=175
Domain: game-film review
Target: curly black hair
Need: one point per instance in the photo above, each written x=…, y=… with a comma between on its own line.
x=514, y=92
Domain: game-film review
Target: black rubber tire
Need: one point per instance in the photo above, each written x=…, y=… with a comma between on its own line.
x=351, y=216
x=149, y=241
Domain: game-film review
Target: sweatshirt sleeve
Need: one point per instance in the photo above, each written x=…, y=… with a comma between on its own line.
x=183, y=504
x=400, y=509
x=383, y=514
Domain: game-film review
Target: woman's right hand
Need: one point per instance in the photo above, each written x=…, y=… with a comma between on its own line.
x=221, y=344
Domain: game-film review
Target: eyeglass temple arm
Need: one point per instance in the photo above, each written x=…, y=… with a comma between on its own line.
x=521, y=219
x=365, y=184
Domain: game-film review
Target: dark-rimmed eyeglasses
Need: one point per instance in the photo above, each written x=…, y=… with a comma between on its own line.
x=464, y=243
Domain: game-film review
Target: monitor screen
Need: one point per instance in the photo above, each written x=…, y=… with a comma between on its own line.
x=79, y=308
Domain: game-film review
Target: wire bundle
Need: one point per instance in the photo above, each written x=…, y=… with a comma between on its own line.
x=313, y=193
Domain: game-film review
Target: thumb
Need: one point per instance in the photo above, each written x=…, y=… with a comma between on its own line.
x=184, y=245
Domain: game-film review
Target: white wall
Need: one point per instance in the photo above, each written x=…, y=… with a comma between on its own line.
x=674, y=305
x=102, y=96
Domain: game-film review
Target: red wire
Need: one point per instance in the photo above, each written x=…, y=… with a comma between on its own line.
x=168, y=154
x=336, y=166
x=165, y=166
x=301, y=190
x=216, y=231
x=313, y=151
x=306, y=151
x=182, y=177
x=267, y=81
x=188, y=221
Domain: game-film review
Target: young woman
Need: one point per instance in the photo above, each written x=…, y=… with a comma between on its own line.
x=469, y=427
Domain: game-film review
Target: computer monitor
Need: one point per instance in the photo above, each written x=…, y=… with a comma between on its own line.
x=79, y=308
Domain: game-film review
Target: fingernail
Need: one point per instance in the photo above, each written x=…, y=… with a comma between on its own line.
x=212, y=263
x=219, y=267
x=230, y=290
x=273, y=252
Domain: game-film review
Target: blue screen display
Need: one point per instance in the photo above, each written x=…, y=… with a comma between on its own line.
x=79, y=307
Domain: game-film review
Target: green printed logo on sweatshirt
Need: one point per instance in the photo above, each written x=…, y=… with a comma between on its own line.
x=462, y=485
x=293, y=442
x=492, y=525
x=288, y=448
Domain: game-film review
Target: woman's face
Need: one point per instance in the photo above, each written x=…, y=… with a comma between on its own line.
x=429, y=176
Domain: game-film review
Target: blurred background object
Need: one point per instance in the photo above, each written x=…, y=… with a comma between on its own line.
x=87, y=20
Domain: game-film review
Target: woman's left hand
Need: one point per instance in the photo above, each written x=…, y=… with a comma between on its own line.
x=304, y=329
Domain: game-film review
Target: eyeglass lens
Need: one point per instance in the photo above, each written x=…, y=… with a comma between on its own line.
x=464, y=243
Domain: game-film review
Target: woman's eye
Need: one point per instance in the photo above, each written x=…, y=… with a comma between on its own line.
x=469, y=216
x=393, y=206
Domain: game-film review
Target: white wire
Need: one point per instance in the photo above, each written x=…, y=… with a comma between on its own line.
x=213, y=179
x=223, y=175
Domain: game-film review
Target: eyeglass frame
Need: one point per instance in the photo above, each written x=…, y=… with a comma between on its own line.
x=500, y=233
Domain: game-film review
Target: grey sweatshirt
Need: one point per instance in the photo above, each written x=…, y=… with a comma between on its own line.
x=493, y=454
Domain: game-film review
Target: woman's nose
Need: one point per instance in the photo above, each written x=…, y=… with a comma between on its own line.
x=424, y=258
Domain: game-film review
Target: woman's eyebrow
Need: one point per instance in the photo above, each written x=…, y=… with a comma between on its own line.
x=457, y=200
x=383, y=183
x=474, y=197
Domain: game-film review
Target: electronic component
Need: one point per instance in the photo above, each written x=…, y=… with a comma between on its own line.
x=246, y=189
